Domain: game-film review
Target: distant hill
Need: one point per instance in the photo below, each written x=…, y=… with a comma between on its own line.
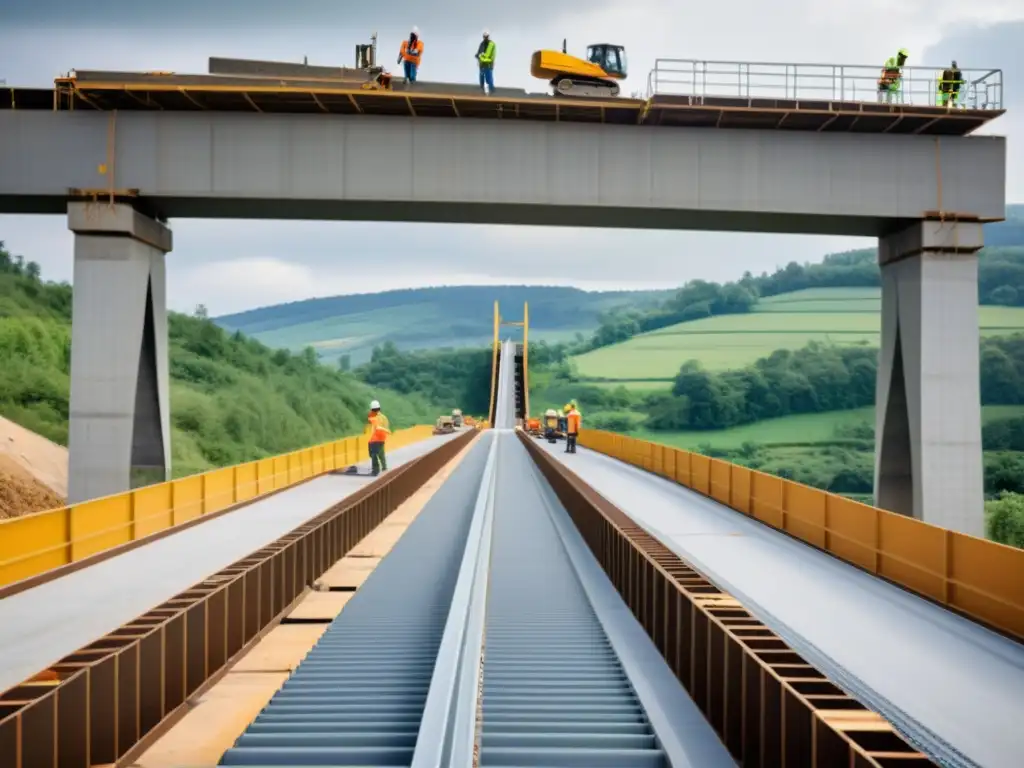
x=841, y=316
x=428, y=318
x=460, y=316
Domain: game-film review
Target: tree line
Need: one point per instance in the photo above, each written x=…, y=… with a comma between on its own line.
x=1000, y=282
x=815, y=379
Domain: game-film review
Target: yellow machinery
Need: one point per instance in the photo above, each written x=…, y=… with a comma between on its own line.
x=593, y=76
x=444, y=426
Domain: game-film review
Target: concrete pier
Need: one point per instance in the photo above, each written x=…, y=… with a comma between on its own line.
x=928, y=460
x=119, y=430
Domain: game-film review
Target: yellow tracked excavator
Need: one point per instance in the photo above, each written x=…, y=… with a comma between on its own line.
x=593, y=76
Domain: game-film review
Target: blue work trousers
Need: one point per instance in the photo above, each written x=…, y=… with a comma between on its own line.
x=410, y=71
x=487, y=79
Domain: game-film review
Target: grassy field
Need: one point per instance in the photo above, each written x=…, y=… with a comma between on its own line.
x=428, y=318
x=791, y=430
x=841, y=316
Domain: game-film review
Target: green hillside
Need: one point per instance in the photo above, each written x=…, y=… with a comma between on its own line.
x=232, y=398
x=837, y=316
x=428, y=318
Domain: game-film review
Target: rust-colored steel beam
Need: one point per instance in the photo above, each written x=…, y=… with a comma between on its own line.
x=769, y=705
x=99, y=704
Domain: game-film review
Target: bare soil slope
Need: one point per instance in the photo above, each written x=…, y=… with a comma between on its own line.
x=33, y=471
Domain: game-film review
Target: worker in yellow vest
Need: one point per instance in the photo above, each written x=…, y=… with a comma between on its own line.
x=378, y=429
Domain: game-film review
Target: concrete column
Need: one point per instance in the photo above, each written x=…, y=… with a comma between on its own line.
x=119, y=431
x=928, y=461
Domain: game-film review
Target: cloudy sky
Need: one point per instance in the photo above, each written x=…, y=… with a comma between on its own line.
x=233, y=266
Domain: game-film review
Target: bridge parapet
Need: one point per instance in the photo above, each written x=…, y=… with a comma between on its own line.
x=975, y=577
x=35, y=545
x=752, y=82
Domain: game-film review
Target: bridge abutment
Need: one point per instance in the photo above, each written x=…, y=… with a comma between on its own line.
x=928, y=460
x=119, y=425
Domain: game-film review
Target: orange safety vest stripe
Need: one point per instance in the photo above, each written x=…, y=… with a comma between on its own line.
x=378, y=429
x=414, y=54
x=574, y=422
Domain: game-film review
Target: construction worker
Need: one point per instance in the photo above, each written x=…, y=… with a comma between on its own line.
x=379, y=430
x=563, y=419
x=410, y=55
x=573, y=420
x=485, y=58
x=949, y=85
x=892, y=77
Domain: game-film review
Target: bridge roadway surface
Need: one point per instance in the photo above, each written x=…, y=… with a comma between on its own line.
x=42, y=625
x=951, y=686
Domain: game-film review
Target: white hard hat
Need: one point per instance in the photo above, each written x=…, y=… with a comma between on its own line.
x=416, y=31
x=374, y=405
x=487, y=33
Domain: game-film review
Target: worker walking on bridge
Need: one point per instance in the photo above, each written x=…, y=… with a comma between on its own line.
x=949, y=86
x=572, y=430
x=379, y=429
x=485, y=58
x=891, y=81
x=410, y=55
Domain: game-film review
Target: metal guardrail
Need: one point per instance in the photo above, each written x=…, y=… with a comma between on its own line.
x=982, y=88
x=103, y=703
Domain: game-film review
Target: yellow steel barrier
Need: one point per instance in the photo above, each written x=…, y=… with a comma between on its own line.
x=37, y=543
x=980, y=578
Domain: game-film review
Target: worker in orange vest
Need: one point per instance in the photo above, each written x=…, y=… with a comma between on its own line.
x=379, y=430
x=572, y=429
x=410, y=55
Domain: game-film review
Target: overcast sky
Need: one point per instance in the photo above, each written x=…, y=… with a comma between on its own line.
x=231, y=266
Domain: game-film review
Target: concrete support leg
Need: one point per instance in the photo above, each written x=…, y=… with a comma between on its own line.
x=928, y=461
x=119, y=431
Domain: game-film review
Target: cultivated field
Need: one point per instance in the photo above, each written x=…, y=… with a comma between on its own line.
x=840, y=316
x=801, y=429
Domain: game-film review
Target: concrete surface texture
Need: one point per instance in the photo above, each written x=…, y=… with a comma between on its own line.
x=223, y=165
x=926, y=669
x=41, y=625
x=43, y=459
x=928, y=459
x=119, y=423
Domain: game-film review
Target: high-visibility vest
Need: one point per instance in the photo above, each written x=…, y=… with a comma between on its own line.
x=574, y=420
x=891, y=73
x=485, y=54
x=379, y=430
x=412, y=52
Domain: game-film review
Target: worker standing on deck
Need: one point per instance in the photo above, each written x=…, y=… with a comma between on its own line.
x=379, y=431
x=892, y=77
x=485, y=58
x=572, y=431
x=949, y=85
x=410, y=55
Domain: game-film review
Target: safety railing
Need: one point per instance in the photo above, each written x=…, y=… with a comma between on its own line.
x=919, y=86
x=35, y=544
x=979, y=578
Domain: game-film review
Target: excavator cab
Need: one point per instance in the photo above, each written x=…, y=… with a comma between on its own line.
x=610, y=58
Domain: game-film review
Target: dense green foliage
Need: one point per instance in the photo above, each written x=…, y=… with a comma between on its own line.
x=451, y=378
x=814, y=379
x=1004, y=518
x=232, y=398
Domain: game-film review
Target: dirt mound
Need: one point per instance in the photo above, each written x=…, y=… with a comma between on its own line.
x=43, y=460
x=21, y=494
